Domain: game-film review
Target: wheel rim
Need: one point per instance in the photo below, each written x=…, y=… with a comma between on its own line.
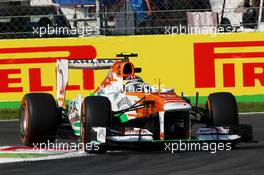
x=23, y=121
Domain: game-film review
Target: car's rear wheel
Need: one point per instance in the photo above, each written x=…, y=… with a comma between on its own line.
x=38, y=119
x=222, y=109
x=96, y=113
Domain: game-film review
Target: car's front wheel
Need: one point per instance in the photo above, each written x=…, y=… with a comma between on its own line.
x=96, y=118
x=38, y=119
x=222, y=109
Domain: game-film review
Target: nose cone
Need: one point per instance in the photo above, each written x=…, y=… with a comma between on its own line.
x=177, y=106
x=169, y=102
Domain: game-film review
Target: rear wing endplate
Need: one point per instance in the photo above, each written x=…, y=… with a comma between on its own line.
x=62, y=73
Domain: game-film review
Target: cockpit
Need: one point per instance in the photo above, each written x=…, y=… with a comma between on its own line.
x=136, y=84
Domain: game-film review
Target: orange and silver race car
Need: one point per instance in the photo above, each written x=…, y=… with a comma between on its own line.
x=125, y=109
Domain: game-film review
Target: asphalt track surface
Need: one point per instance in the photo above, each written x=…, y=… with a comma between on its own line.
x=246, y=159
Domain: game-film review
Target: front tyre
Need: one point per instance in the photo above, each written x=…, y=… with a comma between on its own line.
x=222, y=109
x=38, y=119
x=96, y=118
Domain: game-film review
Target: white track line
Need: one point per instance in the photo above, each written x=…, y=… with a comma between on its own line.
x=50, y=157
x=11, y=120
x=250, y=113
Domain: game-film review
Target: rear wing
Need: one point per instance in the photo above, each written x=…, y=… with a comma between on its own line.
x=62, y=73
x=94, y=64
x=63, y=66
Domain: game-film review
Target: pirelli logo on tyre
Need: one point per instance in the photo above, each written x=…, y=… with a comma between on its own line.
x=239, y=63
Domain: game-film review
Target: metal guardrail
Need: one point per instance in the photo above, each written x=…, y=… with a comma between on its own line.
x=130, y=17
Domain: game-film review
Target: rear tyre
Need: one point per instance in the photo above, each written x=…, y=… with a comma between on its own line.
x=222, y=109
x=38, y=119
x=96, y=112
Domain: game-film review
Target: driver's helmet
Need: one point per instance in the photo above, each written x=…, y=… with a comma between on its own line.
x=134, y=84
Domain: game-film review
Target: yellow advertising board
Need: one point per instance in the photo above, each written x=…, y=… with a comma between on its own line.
x=188, y=63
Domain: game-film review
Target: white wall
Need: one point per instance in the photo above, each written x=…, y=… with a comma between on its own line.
x=231, y=12
x=41, y=2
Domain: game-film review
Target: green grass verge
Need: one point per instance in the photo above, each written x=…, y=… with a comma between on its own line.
x=242, y=107
x=251, y=107
x=21, y=155
x=9, y=114
x=247, y=107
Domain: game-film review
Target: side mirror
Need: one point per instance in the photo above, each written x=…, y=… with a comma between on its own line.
x=138, y=70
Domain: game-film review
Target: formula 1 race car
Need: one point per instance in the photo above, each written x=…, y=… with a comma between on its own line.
x=125, y=109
